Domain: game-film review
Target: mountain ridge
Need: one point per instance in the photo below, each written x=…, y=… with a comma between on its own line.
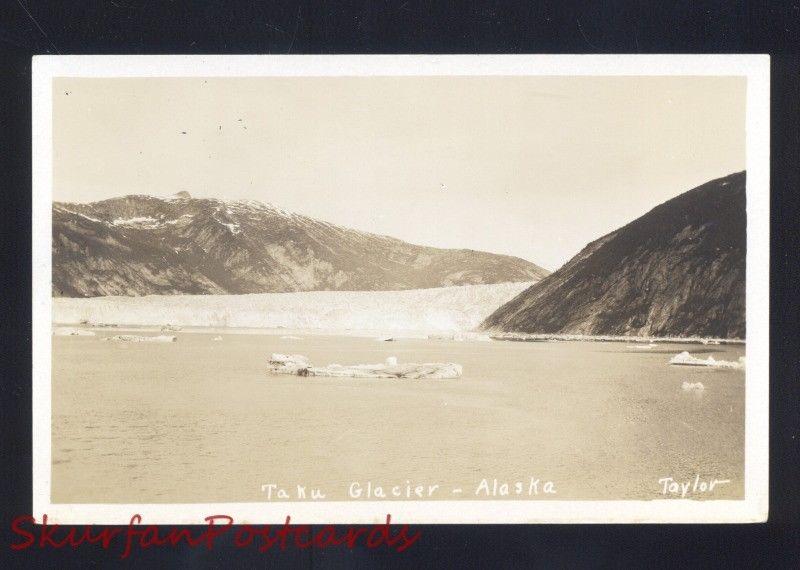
x=678, y=270
x=140, y=244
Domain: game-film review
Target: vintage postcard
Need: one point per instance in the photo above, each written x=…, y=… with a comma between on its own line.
x=452, y=289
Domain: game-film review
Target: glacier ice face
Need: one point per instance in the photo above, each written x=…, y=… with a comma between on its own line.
x=444, y=309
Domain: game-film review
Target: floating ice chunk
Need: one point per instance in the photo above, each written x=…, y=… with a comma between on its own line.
x=137, y=338
x=299, y=365
x=295, y=364
x=69, y=331
x=686, y=359
x=693, y=387
x=217, y=338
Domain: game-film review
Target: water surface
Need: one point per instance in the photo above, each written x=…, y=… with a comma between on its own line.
x=199, y=420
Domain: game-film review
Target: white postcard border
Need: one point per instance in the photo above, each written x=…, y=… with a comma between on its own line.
x=753, y=508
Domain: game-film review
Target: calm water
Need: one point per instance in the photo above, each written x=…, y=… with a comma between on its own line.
x=199, y=420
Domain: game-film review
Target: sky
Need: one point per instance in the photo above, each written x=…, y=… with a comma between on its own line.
x=535, y=167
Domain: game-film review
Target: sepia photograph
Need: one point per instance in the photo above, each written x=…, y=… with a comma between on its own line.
x=434, y=287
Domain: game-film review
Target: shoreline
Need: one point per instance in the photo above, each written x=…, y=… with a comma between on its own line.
x=433, y=335
x=559, y=337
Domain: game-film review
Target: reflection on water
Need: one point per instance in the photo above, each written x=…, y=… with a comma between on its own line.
x=199, y=420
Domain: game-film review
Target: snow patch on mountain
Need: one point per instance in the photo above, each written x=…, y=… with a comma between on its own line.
x=137, y=221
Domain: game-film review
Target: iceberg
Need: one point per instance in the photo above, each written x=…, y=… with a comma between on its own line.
x=693, y=387
x=137, y=338
x=686, y=359
x=294, y=364
x=299, y=365
x=69, y=331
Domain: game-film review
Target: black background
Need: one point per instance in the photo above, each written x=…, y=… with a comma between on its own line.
x=28, y=27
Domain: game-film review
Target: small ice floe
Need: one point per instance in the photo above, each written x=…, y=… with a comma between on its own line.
x=217, y=338
x=137, y=338
x=69, y=331
x=299, y=365
x=686, y=359
x=693, y=387
x=290, y=337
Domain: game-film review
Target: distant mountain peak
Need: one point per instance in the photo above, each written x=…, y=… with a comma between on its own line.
x=145, y=245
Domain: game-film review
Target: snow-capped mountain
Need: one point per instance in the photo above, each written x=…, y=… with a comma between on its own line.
x=144, y=245
x=679, y=270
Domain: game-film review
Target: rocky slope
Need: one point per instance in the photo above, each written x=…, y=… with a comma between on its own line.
x=679, y=270
x=143, y=245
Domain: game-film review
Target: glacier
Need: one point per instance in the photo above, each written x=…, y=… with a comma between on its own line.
x=437, y=310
